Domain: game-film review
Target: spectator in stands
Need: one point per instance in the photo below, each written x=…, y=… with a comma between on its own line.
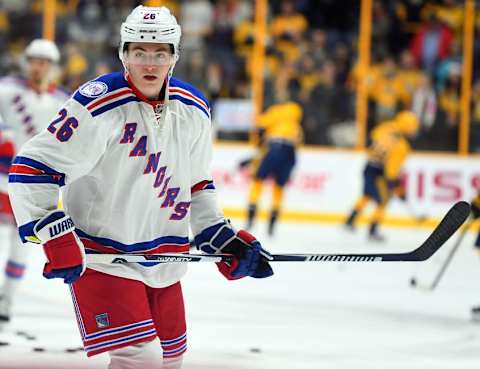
x=475, y=122
x=452, y=62
x=321, y=107
x=4, y=25
x=444, y=135
x=409, y=76
x=287, y=29
x=318, y=48
x=76, y=67
x=449, y=99
x=431, y=43
x=386, y=90
x=309, y=78
x=194, y=71
x=196, y=20
x=424, y=103
x=381, y=26
x=226, y=16
x=89, y=16
x=449, y=12
x=214, y=81
x=64, y=9
x=244, y=37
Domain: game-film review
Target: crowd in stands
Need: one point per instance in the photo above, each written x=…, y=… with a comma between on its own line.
x=311, y=51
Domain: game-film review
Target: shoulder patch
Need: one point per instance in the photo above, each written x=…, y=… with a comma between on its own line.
x=93, y=89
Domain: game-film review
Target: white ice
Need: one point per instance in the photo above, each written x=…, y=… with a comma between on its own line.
x=309, y=315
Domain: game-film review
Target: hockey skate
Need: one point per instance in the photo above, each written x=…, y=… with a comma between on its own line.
x=475, y=313
x=349, y=223
x=375, y=237
x=5, y=308
x=251, y=213
x=349, y=226
x=272, y=222
x=373, y=234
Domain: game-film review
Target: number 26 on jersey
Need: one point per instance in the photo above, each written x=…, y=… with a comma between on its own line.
x=63, y=126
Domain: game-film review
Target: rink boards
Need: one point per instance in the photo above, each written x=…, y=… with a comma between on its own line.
x=326, y=183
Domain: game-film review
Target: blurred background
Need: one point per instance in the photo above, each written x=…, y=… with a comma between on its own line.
x=347, y=81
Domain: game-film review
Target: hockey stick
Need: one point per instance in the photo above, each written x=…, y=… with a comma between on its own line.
x=455, y=217
x=446, y=263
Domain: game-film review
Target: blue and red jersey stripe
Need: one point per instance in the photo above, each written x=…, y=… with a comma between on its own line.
x=203, y=185
x=26, y=170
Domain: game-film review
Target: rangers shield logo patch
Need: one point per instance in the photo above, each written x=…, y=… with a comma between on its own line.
x=93, y=89
x=102, y=320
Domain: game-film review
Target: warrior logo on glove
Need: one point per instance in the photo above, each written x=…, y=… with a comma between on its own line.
x=63, y=248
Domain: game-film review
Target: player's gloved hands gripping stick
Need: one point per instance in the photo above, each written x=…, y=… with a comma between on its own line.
x=63, y=248
x=251, y=260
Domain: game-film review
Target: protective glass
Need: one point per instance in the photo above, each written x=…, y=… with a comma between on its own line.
x=140, y=57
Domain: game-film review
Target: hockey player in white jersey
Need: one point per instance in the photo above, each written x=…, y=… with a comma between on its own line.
x=131, y=152
x=27, y=105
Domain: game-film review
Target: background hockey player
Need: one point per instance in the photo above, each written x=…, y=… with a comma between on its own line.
x=381, y=177
x=279, y=130
x=132, y=152
x=27, y=103
x=475, y=214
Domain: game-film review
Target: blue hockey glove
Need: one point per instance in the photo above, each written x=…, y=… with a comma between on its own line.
x=250, y=259
x=64, y=250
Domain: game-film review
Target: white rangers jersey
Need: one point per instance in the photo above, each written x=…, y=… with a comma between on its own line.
x=134, y=174
x=25, y=111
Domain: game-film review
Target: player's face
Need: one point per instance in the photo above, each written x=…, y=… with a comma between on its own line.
x=148, y=65
x=38, y=69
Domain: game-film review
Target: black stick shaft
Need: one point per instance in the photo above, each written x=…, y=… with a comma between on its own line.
x=455, y=217
x=449, y=258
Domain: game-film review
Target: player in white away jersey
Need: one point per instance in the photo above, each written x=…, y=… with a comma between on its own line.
x=27, y=105
x=131, y=152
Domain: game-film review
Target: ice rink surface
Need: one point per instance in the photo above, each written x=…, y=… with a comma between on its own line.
x=309, y=316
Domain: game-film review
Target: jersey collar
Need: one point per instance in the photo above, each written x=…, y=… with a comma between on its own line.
x=142, y=97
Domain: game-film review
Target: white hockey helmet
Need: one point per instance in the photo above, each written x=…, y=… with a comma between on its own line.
x=149, y=24
x=43, y=48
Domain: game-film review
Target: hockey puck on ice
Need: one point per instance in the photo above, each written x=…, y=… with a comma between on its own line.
x=413, y=282
x=3, y=343
x=72, y=350
x=255, y=350
x=39, y=349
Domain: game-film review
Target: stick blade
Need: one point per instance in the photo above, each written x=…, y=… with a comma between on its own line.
x=450, y=223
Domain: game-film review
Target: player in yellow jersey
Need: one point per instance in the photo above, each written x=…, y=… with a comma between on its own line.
x=280, y=131
x=386, y=155
x=475, y=214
